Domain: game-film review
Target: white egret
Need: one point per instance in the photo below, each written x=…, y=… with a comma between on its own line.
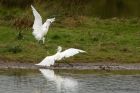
x=39, y=29
x=65, y=83
x=50, y=60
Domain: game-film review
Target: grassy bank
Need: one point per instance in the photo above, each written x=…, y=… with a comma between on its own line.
x=111, y=40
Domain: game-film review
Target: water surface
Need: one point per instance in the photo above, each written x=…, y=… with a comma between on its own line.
x=47, y=81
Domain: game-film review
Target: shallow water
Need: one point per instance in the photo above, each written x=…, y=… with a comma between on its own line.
x=47, y=81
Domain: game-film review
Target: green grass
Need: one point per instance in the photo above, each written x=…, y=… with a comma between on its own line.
x=111, y=40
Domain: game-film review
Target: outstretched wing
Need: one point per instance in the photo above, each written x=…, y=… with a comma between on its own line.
x=48, y=61
x=38, y=20
x=70, y=52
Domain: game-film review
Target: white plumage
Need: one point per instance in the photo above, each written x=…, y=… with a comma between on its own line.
x=39, y=29
x=50, y=60
x=68, y=84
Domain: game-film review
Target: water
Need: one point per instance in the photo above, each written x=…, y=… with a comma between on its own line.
x=47, y=81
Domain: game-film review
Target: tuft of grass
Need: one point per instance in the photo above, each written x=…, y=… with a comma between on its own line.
x=15, y=49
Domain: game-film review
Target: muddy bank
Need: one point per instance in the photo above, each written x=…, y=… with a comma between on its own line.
x=76, y=66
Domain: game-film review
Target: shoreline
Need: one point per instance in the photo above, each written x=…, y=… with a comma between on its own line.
x=76, y=66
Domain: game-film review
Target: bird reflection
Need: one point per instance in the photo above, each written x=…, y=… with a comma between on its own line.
x=63, y=84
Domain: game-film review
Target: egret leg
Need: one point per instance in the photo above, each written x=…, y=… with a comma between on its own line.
x=39, y=41
x=69, y=64
x=56, y=65
x=43, y=40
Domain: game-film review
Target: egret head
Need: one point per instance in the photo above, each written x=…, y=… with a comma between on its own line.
x=51, y=20
x=59, y=49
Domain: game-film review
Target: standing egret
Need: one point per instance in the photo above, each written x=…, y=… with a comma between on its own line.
x=39, y=29
x=50, y=60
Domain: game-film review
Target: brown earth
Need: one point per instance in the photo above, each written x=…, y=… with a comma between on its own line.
x=78, y=66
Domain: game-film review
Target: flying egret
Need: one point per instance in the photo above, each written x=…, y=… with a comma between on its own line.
x=39, y=29
x=50, y=60
x=65, y=83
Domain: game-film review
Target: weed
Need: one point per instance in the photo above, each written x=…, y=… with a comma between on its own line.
x=15, y=49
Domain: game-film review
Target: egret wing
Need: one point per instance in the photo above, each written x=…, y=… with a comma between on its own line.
x=38, y=20
x=48, y=20
x=48, y=61
x=70, y=52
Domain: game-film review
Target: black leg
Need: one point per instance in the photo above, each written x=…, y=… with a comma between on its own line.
x=39, y=42
x=69, y=64
x=56, y=65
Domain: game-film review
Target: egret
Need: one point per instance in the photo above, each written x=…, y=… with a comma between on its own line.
x=50, y=60
x=39, y=29
x=65, y=83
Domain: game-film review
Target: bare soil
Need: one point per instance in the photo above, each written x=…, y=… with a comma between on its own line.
x=78, y=66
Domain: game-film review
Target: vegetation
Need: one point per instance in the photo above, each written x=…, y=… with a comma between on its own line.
x=115, y=39
x=100, y=8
